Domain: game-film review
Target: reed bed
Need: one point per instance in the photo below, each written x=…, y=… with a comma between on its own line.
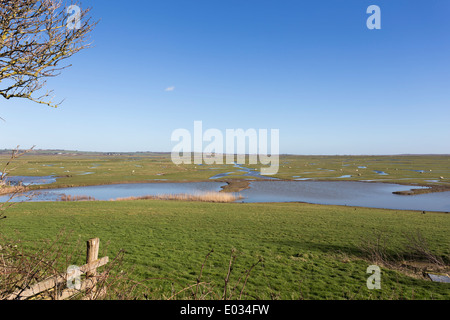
x=65, y=197
x=216, y=197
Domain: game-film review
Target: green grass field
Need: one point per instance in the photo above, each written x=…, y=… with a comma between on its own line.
x=308, y=251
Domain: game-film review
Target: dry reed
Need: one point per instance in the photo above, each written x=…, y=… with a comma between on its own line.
x=65, y=197
x=217, y=197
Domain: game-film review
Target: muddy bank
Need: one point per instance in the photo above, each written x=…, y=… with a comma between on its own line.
x=431, y=189
x=235, y=185
x=5, y=190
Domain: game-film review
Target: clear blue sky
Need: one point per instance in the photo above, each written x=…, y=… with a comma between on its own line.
x=311, y=69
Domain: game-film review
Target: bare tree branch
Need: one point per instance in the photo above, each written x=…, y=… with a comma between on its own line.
x=35, y=38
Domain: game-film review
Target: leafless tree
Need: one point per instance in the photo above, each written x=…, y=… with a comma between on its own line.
x=35, y=37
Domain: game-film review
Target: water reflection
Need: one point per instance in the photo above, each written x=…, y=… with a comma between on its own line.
x=350, y=193
x=114, y=191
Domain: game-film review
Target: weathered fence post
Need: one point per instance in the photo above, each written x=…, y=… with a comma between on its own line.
x=91, y=256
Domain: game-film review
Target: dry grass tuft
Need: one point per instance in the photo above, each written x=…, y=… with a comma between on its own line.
x=414, y=258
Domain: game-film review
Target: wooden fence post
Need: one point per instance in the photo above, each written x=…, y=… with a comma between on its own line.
x=91, y=256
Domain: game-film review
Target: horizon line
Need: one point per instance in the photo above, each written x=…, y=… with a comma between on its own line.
x=224, y=154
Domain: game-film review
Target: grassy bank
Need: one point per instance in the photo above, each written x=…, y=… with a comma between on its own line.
x=307, y=251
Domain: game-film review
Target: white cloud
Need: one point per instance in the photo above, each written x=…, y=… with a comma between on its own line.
x=170, y=89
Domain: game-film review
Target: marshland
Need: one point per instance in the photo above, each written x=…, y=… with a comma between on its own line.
x=300, y=250
x=355, y=96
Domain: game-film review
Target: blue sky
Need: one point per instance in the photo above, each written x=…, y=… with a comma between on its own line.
x=311, y=69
